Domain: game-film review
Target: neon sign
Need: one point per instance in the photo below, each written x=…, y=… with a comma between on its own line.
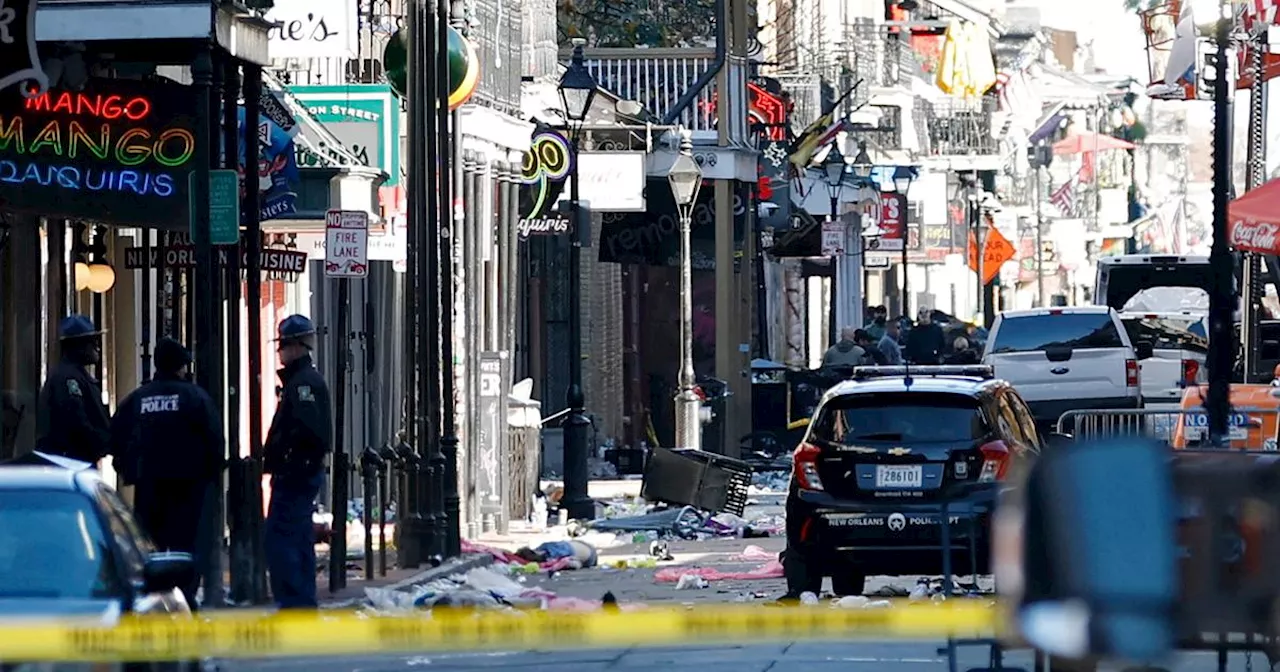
x=118, y=151
x=546, y=165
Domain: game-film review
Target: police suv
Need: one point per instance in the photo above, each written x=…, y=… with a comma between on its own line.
x=891, y=458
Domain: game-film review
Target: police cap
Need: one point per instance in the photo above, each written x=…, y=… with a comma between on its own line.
x=295, y=328
x=76, y=326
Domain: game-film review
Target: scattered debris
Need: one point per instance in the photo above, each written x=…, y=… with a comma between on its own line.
x=769, y=570
x=691, y=582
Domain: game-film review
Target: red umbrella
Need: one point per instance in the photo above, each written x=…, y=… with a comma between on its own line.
x=1089, y=142
x=1253, y=220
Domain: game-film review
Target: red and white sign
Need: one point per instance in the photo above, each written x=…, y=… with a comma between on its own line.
x=346, y=244
x=832, y=238
x=1253, y=224
x=893, y=221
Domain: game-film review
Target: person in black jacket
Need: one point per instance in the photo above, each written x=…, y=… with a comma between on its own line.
x=925, y=340
x=71, y=420
x=167, y=440
x=300, y=437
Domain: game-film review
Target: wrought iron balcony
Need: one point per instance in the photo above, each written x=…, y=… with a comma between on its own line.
x=960, y=127
x=878, y=56
x=656, y=78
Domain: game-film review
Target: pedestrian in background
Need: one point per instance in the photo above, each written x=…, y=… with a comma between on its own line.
x=888, y=344
x=71, y=419
x=300, y=437
x=925, y=342
x=846, y=352
x=167, y=441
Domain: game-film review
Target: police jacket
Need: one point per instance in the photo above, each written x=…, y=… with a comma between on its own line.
x=71, y=419
x=302, y=430
x=167, y=429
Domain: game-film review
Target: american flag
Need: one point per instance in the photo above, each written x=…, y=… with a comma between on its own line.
x=1259, y=13
x=1064, y=198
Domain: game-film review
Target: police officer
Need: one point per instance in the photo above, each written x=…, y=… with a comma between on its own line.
x=300, y=437
x=167, y=441
x=71, y=420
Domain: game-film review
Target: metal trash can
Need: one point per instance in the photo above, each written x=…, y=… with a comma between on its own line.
x=715, y=396
x=524, y=421
x=696, y=478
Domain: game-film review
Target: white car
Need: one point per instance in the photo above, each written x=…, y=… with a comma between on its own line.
x=1179, y=342
x=1064, y=359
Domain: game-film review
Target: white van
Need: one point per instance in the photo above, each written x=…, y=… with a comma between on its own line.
x=1063, y=359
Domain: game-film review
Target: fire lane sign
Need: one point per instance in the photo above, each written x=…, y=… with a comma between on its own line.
x=346, y=244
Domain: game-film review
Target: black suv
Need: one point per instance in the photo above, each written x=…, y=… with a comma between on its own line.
x=883, y=453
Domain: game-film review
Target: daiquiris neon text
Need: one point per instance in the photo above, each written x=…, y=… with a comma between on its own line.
x=93, y=142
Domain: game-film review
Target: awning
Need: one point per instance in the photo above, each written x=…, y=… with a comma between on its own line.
x=1254, y=220
x=1050, y=123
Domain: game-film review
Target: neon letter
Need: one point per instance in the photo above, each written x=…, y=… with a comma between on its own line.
x=111, y=108
x=132, y=155
x=78, y=135
x=184, y=138
x=164, y=185
x=137, y=108
x=13, y=134
x=64, y=104
x=49, y=135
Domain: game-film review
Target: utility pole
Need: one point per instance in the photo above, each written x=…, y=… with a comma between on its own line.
x=1221, y=298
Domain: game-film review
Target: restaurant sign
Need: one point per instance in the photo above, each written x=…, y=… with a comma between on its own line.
x=118, y=151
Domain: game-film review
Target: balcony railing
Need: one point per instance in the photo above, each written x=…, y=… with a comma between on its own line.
x=878, y=56
x=960, y=127
x=656, y=78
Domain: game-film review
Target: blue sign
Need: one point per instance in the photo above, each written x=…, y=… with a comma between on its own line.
x=1202, y=420
x=277, y=174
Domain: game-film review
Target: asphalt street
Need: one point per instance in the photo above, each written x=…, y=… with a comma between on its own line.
x=872, y=656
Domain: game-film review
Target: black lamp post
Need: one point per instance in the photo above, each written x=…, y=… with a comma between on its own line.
x=903, y=176
x=862, y=165
x=834, y=167
x=862, y=168
x=1222, y=341
x=577, y=91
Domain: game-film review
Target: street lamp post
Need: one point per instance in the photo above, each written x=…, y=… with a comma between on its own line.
x=834, y=167
x=577, y=91
x=685, y=178
x=902, y=178
x=862, y=168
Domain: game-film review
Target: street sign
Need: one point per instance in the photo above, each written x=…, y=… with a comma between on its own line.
x=832, y=239
x=995, y=251
x=224, y=206
x=876, y=260
x=346, y=244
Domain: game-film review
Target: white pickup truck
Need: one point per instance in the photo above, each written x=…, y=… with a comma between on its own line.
x=1179, y=344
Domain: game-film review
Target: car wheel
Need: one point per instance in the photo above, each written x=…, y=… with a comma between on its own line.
x=848, y=581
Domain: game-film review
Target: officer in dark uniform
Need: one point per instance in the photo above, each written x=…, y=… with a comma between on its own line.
x=301, y=435
x=167, y=440
x=72, y=421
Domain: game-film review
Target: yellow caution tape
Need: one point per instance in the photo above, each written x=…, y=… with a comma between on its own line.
x=258, y=635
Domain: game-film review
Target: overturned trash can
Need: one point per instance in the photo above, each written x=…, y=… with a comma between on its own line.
x=697, y=478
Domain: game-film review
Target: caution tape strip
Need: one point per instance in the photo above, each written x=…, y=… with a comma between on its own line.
x=259, y=635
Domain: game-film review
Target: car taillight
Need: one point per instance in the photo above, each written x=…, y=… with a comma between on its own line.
x=1131, y=372
x=1190, y=371
x=995, y=461
x=805, y=463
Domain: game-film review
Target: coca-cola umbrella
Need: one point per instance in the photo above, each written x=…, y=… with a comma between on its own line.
x=1254, y=220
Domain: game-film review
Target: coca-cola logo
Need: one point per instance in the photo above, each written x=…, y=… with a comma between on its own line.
x=1255, y=236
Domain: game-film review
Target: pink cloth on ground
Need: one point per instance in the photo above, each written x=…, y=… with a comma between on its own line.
x=769, y=570
x=509, y=558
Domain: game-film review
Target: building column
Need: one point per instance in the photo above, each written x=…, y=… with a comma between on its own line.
x=23, y=335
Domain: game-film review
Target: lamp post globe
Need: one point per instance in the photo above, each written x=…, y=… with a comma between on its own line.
x=862, y=165
x=902, y=179
x=834, y=167
x=577, y=86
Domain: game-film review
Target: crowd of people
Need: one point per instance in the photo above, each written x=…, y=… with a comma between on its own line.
x=897, y=341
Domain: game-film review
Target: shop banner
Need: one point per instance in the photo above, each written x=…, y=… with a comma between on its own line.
x=277, y=171
x=117, y=151
x=653, y=238
x=543, y=178
x=364, y=117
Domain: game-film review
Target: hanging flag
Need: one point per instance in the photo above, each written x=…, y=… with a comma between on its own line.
x=1064, y=198
x=822, y=131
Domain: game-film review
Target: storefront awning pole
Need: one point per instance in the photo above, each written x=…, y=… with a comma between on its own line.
x=252, y=243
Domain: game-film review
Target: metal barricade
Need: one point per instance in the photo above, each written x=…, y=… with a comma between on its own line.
x=1156, y=423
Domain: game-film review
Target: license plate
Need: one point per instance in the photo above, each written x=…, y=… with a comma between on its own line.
x=899, y=476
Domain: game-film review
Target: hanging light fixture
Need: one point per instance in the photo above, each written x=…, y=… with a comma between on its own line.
x=102, y=277
x=80, y=270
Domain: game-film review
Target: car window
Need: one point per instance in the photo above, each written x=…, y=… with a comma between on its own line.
x=53, y=545
x=900, y=417
x=1078, y=331
x=1174, y=333
x=125, y=529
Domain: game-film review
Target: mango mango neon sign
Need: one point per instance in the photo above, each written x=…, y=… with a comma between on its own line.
x=92, y=137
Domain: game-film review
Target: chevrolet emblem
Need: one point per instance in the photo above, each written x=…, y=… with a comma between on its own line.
x=899, y=452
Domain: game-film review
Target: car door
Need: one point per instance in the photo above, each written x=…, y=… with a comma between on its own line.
x=134, y=546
